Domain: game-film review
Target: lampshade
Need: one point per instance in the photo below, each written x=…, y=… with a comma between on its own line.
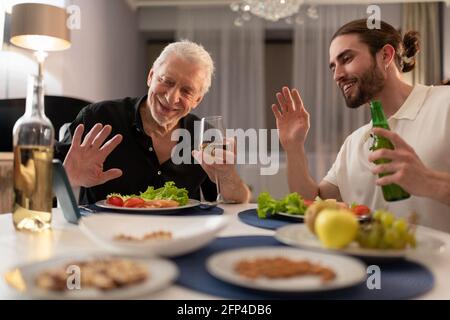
x=39, y=27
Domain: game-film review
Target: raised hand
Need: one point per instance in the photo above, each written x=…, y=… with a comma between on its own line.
x=292, y=119
x=84, y=161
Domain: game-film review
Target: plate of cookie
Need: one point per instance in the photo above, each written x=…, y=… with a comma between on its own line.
x=94, y=276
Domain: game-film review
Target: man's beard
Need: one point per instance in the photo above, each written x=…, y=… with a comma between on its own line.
x=367, y=87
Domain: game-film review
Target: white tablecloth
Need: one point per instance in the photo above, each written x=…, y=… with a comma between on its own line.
x=18, y=248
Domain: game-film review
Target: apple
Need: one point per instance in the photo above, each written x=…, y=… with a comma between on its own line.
x=336, y=228
x=315, y=209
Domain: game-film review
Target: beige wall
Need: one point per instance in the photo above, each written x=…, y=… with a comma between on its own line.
x=107, y=59
x=278, y=64
x=446, y=37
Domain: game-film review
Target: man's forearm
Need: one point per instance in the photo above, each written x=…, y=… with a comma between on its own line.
x=299, y=179
x=234, y=189
x=440, y=187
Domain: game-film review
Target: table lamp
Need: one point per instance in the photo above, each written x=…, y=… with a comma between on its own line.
x=41, y=28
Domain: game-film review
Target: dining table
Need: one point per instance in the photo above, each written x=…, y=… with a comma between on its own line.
x=18, y=248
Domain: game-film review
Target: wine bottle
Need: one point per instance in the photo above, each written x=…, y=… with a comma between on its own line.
x=33, y=139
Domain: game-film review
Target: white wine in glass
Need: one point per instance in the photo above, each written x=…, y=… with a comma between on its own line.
x=212, y=137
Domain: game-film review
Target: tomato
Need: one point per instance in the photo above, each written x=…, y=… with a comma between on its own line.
x=134, y=202
x=308, y=202
x=115, y=201
x=361, y=210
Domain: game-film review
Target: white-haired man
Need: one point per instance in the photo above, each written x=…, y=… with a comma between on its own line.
x=139, y=131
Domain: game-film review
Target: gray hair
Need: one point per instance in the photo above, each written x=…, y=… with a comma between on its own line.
x=192, y=52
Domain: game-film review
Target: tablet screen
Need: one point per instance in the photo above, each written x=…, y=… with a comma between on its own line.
x=64, y=193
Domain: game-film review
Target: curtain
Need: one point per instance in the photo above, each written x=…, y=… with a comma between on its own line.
x=424, y=17
x=237, y=90
x=331, y=120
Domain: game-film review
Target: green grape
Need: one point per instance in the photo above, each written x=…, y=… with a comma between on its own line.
x=387, y=219
x=362, y=238
x=386, y=232
x=377, y=215
x=400, y=243
x=373, y=239
x=382, y=244
x=390, y=237
x=400, y=225
x=378, y=229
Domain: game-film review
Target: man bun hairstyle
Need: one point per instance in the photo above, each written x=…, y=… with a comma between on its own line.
x=411, y=48
x=406, y=49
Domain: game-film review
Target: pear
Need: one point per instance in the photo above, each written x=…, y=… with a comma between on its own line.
x=336, y=228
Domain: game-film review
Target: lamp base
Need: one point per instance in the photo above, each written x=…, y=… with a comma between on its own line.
x=40, y=57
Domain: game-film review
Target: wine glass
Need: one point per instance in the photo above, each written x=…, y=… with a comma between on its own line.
x=212, y=137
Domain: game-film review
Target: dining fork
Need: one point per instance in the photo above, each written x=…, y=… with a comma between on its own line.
x=208, y=205
x=87, y=208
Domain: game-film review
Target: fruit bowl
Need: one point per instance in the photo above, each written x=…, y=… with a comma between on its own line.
x=298, y=235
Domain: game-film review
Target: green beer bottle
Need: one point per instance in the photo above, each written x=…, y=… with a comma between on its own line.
x=391, y=192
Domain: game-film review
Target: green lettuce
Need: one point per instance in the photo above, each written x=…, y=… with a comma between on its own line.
x=292, y=204
x=168, y=192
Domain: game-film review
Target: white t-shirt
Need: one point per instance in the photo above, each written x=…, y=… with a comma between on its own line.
x=423, y=121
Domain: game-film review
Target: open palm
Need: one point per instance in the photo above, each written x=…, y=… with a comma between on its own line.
x=84, y=161
x=292, y=119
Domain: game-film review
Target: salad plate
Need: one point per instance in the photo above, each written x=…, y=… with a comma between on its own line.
x=191, y=203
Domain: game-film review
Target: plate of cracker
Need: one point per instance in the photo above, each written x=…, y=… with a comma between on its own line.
x=282, y=269
x=95, y=276
x=138, y=235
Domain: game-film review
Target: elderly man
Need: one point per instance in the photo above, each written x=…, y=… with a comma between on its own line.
x=367, y=65
x=141, y=130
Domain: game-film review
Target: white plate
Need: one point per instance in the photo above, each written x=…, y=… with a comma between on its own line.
x=349, y=271
x=191, y=203
x=161, y=274
x=302, y=217
x=188, y=233
x=300, y=236
x=290, y=216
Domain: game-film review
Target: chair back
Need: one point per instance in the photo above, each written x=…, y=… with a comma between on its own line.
x=59, y=110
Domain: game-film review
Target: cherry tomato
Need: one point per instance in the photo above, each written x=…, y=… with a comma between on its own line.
x=134, y=202
x=361, y=210
x=308, y=202
x=115, y=201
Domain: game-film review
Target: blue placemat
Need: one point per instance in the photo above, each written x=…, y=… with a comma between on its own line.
x=251, y=217
x=399, y=280
x=194, y=211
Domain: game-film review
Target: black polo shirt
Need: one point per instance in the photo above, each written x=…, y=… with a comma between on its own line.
x=135, y=155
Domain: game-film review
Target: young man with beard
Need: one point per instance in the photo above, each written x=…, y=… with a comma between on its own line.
x=367, y=65
x=140, y=131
